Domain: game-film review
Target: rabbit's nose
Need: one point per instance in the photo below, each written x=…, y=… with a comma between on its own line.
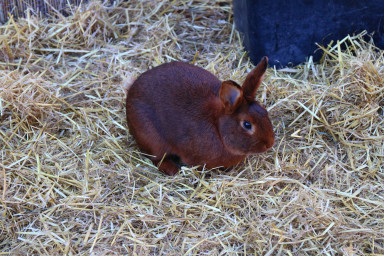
x=269, y=143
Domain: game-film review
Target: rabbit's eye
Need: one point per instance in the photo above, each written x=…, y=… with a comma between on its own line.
x=247, y=125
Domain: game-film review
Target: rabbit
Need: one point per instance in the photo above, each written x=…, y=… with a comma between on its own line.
x=178, y=112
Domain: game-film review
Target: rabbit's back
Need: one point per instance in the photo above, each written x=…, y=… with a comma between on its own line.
x=175, y=83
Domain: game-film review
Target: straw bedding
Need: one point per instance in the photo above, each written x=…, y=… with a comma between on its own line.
x=72, y=181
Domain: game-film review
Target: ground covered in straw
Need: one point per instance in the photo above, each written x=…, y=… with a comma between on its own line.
x=73, y=182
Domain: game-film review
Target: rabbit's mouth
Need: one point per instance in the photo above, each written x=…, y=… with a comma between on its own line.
x=260, y=147
x=263, y=147
x=246, y=150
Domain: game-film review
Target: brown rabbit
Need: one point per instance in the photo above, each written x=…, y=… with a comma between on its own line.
x=178, y=111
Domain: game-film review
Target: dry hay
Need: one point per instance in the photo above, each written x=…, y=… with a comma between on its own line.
x=73, y=182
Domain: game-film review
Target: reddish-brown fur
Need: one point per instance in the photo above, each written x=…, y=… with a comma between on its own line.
x=178, y=110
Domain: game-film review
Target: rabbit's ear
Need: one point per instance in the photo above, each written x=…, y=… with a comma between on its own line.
x=254, y=79
x=231, y=95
